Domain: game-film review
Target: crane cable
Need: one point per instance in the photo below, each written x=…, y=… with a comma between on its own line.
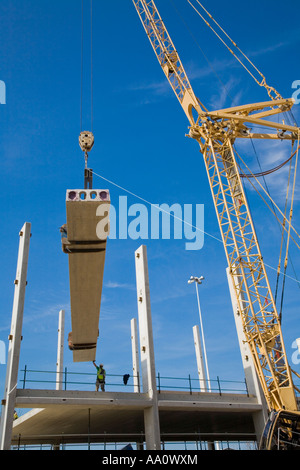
x=273, y=203
x=282, y=236
x=263, y=82
x=289, y=231
x=82, y=63
x=287, y=256
x=268, y=172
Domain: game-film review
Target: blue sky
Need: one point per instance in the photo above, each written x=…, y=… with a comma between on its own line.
x=140, y=145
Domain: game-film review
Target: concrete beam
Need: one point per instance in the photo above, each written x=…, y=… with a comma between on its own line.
x=29, y=398
x=84, y=240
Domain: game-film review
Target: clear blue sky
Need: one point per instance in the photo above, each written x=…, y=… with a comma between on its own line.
x=140, y=145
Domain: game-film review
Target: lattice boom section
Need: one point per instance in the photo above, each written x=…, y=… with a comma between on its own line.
x=256, y=303
x=163, y=46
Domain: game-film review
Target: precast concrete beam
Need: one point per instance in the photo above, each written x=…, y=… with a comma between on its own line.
x=84, y=240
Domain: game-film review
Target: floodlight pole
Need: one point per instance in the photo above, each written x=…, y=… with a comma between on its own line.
x=198, y=280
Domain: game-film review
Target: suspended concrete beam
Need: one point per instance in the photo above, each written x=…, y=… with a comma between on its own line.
x=84, y=240
x=15, y=337
x=151, y=416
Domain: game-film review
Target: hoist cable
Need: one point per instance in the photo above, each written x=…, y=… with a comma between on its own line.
x=263, y=81
x=282, y=234
x=273, y=203
x=81, y=77
x=92, y=65
x=82, y=63
x=202, y=52
x=268, y=172
x=289, y=231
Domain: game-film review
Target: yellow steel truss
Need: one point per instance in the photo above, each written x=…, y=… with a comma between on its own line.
x=216, y=132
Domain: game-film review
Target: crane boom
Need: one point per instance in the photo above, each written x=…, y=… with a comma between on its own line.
x=168, y=57
x=216, y=132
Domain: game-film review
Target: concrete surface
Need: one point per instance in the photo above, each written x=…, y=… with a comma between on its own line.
x=79, y=417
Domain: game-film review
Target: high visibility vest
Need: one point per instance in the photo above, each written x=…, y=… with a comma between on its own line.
x=100, y=374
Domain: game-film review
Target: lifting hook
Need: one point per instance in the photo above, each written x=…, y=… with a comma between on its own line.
x=86, y=142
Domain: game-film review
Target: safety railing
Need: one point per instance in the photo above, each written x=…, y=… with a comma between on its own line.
x=99, y=442
x=85, y=381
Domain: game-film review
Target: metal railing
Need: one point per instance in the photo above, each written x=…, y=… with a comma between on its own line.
x=85, y=381
x=98, y=442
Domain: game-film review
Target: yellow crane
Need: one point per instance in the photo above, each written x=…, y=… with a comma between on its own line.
x=216, y=132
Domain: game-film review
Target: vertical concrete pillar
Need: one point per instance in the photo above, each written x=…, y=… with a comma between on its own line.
x=252, y=381
x=151, y=415
x=199, y=357
x=15, y=337
x=60, y=350
x=135, y=356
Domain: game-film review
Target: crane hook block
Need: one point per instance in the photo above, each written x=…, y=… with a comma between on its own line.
x=86, y=141
x=84, y=238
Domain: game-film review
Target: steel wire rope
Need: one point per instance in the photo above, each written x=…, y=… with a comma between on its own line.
x=82, y=65
x=92, y=97
x=283, y=223
x=157, y=207
x=255, y=175
x=263, y=82
x=81, y=74
x=202, y=52
x=154, y=205
x=288, y=240
x=281, y=213
x=267, y=172
x=282, y=234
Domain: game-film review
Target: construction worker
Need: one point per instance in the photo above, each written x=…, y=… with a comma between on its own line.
x=100, y=377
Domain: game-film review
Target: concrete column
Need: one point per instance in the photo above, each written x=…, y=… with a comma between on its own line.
x=15, y=337
x=199, y=357
x=60, y=350
x=135, y=356
x=135, y=364
x=151, y=415
x=252, y=381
